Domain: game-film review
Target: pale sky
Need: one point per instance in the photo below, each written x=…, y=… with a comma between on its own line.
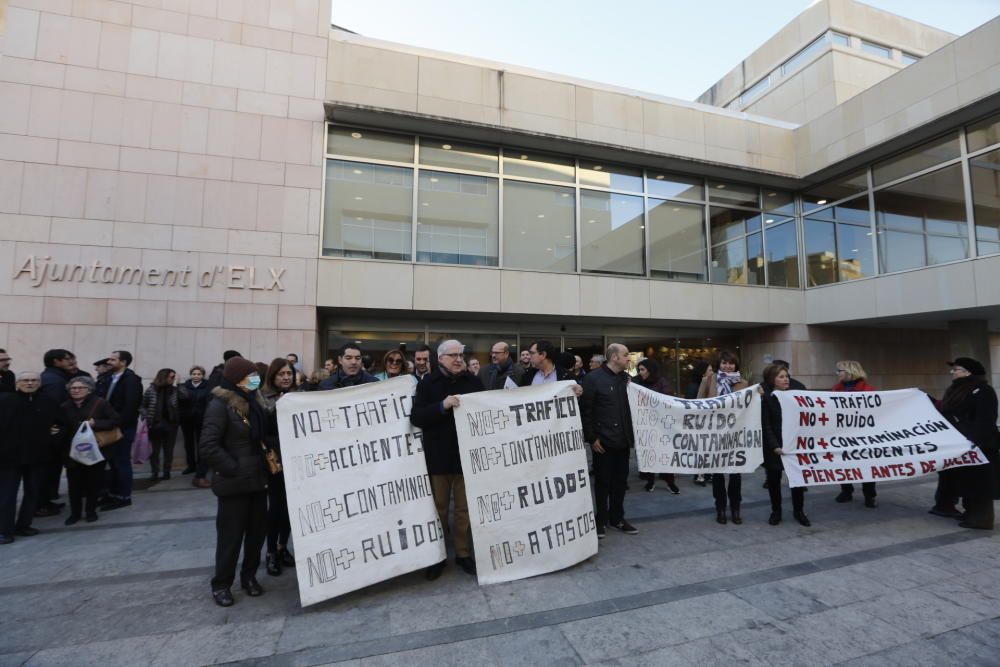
x=676, y=48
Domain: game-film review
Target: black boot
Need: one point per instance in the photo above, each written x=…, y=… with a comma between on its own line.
x=250, y=585
x=286, y=557
x=775, y=517
x=735, y=510
x=273, y=565
x=801, y=517
x=720, y=516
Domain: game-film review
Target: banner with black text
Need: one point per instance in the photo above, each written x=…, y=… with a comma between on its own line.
x=867, y=436
x=696, y=436
x=525, y=467
x=359, y=497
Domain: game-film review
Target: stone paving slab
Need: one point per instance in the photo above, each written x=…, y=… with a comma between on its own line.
x=886, y=586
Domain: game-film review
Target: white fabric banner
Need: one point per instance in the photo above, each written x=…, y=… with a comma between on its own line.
x=525, y=467
x=708, y=435
x=867, y=436
x=359, y=497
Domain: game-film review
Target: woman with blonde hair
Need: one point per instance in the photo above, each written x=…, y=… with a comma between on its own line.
x=851, y=376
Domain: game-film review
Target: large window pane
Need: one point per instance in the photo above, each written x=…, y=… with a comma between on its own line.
x=985, y=172
x=834, y=191
x=899, y=251
x=821, y=253
x=804, y=55
x=855, y=259
x=942, y=249
x=530, y=164
x=755, y=259
x=447, y=153
x=369, y=144
x=920, y=158
x=876, y=49
x=458, y=219
x=729, y=263
x=782, y=255
x=984, y=133
x=368, y=210
x=677, y=240
x=931, y=204
x=611, y=233
x=779, y=201
x=728, y=223
x=611, y=176
x=675, y=187
x=539, y=227
x=733, y=193
x=374, y=344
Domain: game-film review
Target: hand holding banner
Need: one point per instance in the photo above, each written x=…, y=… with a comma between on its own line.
x=872, y=436
x=526, y=480
x=359, y=498
x=711, y=435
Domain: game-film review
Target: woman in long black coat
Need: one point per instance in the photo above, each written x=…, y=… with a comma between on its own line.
x=84, y=481
x=279, y=381
x=776, y=379
x=970, y=404
x=231, y=442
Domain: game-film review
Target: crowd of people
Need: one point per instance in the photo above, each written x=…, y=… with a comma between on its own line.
x=228, y=423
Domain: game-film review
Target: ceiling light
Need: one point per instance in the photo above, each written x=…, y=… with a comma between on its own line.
x=769, y=220
x=356, y=135
x=598, y=167
x=721, y=186
x=642, y=226
x=568, y=236
x=565, y=194
x=358, y=171
x=868, y=234
x=523, y=233
x=676, y=208
x=524, y=157
x=359, y=218
x=854, y=249
x=659, y=177
x=591, y=221
x=358, y=198
x=821, y=202
x=447, y=147
x=423, y=203
x=541, y=215
x=433, y=179
x=548, y=250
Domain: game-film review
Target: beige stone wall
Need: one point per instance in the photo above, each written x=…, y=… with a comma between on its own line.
x=162, y=134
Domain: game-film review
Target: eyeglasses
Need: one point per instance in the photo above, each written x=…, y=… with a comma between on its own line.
x=453, y=355
x=841, y=370
x=394, y=361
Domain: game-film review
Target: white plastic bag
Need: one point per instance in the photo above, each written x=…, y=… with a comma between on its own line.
x=84, y=448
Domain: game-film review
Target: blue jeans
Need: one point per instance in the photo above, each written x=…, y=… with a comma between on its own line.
x=119, y=457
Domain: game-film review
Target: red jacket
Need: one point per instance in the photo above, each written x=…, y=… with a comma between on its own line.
x=860, y=385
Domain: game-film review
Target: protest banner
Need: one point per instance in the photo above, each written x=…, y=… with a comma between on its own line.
x=709, y=435
x=525, y=467
x=867, y=436
x=359, y=497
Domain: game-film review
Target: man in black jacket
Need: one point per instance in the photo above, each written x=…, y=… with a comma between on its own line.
x=7, y=381
x=351, y=372
x=502, y=367
x=29, y=422
x=607, y=426
x=122, y=388
x=60, y=368
x=433, y=411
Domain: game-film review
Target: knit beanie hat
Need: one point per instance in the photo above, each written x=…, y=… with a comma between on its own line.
x=238, y=368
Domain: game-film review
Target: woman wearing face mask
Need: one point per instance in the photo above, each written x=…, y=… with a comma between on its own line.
x=279, y=381
x=650, y=378
x=232, y=441
x=159, y=409
x=776, y=379
x=713, y=384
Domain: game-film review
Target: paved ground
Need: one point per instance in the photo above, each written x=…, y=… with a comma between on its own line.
x=890, y=586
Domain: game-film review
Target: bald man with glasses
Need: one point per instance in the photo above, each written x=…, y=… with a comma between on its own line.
x=500, y=368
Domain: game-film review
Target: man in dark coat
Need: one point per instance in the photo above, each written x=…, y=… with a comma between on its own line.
x=7, y=381
x=351, y=372
x=60, y=368
x=607, y=426
x=29, y=423
x=501, y=367
x=215, y=377
x=433, y=411
x=122, y=388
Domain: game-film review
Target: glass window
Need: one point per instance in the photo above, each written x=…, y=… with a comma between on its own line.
x=821, y=253
x=374, y=344
x=854, y=211
x=477, y=345
x=729, y=263
x=804, y=55
x=358, y=142
x=920, y=158
x=728, y=223
x=447, y=153
x=368, y=212
x=755, y=90
x=909, y=59
x=755, y=259
x=876, y=49
x=676, y=240
x=458, y=219
x=834, y=190
x=529, y=164
x=984, y=133
x=839, y=38
x=539, y=227
x=782, y=255
x=605, y=175
x=611, y=233
x=934, y=205
x=854, y=252
x=733, y=193
x=985, y=173
x=675, y=187
x=779, y=201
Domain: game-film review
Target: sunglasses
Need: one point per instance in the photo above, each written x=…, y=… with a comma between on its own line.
x=394, y=361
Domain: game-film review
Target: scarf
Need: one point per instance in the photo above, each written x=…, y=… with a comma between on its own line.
x=959, y=391
x=725, y=381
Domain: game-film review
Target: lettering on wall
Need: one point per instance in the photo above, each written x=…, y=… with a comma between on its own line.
x=40, y=270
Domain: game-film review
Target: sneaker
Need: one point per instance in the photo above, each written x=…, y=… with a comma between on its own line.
x=700, y=480
x=626, y=527
x=673, y=488
x=601, y=532
x=116, y=503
